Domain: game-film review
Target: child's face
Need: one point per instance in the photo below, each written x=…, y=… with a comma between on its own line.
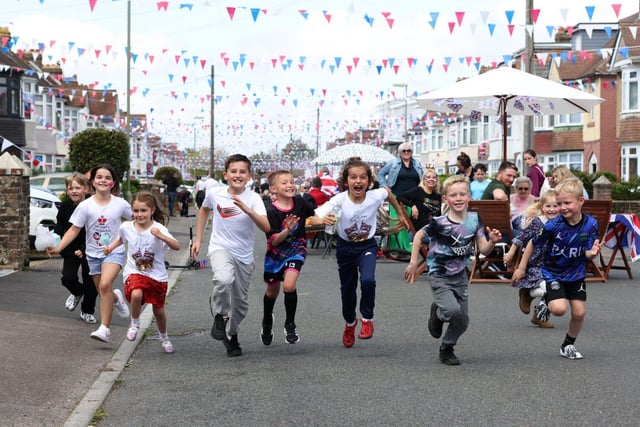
x=357, y=181
x=284, y=186
x=76, y=191
x=142, y=212
x=570, y=205
x=103, y=181
x=458, y=197
x=430, y=180
x=479, y=175
x=237, y=175
x=550, y=208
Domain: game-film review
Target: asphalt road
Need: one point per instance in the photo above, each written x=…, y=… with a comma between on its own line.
x=511, y=372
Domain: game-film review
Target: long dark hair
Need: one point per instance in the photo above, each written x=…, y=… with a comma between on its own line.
x=116, y=181
x=150, y=200
x=354, y=162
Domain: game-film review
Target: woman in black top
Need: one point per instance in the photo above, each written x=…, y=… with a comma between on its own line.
x=425, y=200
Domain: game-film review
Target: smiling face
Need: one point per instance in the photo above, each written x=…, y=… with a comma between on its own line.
x=103, y=181
x=430, y=180
x=237, y=175
x=457, y=197
x=550, y=207
x=570, y=206
x=142, y=213
x=76, y=191
x=357, y=182
x=507, y=176
x=283, y=186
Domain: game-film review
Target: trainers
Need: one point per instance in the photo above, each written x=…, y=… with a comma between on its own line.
x=570, y=352
x=232, y=345
x=291, y=333
x=132, y=332
x=348, y=336
x=101, y=334
x=72, y=302
x=218, y=330
x=367, y=329
x=448, y=357
x=88, y=317
x=167, y=347
x=435, y=324
x=266, y=333
x=120, y=305
x=541, y=316
x=525, y=301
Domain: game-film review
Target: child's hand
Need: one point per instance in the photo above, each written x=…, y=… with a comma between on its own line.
x=494, y=235
x=410, y=272
x=239, y=203
x=107, y=250
x=330, y=219
x=291, y=222
x=78, y=253
x=517, y=275
x=597, y=246
x=52, y=251
x=155, y=232
x=508, y=257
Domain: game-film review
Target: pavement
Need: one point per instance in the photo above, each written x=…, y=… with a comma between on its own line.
x=511, y=373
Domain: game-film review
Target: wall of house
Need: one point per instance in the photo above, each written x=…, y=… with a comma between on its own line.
x=14, y=219
x=567, y=139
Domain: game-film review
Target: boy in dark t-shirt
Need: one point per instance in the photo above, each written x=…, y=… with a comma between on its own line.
x=570, y=240
x=286, y=252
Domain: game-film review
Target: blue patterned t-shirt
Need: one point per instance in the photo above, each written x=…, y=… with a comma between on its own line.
x=451, y=243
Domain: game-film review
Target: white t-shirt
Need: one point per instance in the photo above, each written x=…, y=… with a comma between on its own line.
x=232, y=229
x=145, y=252
x=357, y=222
x=101, y=223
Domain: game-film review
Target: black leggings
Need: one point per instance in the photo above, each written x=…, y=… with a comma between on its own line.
x=86, y=288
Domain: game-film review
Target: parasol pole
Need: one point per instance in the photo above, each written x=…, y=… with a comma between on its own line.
x=503, y=108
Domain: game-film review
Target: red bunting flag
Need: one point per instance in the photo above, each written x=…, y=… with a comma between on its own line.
x=616, y=9
x=92, y=4
x=459, y=17
x=355, y=62
x=390, y=22
x=162, y=5
x=452, y=25
x=231, y=11
x=535, y=13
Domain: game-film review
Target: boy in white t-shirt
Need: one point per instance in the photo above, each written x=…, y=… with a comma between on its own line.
x=235, y=209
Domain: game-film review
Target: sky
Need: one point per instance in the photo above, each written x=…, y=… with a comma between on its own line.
x=281, y=67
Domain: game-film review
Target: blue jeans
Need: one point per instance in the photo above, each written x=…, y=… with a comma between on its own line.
x=172, y=202
x=353, y=258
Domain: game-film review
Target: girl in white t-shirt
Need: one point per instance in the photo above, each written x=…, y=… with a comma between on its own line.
x=101, y=216
x=145, y=274
x=356, y=248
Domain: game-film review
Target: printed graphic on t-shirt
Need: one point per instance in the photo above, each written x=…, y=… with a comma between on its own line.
x=228, y=211
x=358, y=230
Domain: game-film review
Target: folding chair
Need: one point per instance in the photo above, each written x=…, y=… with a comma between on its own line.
x=490, y=268
x=601, y=211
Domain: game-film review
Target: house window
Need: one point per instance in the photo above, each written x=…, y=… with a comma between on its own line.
x=630, y=78
x=574, y=119
x=543, y=122
x=9, y=97
x=629, y=159
x=436, y=139
x=572, y=160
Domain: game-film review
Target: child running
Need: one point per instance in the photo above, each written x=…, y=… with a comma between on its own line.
x=235, y=209
x=286, y=252
x=145, y=274
x=567, y=242
x=101, y=216
x=451, y=240
x=73, y=258
x=528, y=276
x=356, y=248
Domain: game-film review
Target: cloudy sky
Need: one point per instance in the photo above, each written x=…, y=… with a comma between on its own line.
x=278, y=62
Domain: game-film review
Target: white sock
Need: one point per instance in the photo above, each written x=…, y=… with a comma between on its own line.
x=543, y=285
x=163, y=336
x=536, y=292
x=135, y=322
x=352, y=324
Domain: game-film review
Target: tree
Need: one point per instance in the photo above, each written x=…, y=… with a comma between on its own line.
x=165, y=172
x=93, y=147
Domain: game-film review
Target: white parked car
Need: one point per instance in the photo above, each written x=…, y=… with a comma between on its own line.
x=43, y=210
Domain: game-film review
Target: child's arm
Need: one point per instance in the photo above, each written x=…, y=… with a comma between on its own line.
x=595, y=250
x=486, y=246
x=412, y=268
x=290, y=223
x=260, y=220
x=518, y=273
x=111, y=246
x=513, y=250
x=170, y=241
x=402, y=215
x=68, y=237
x=203, y=217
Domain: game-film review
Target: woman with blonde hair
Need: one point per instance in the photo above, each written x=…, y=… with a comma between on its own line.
x=424, y=200
x=558, y=174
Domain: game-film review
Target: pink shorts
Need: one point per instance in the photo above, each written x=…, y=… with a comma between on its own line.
x=153, y=292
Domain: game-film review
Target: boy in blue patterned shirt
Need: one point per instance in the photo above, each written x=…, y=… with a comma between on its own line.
x=452, y=239
x=570, y=240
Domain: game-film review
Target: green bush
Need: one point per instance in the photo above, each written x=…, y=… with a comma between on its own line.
x=626, y=190
x=165, y=172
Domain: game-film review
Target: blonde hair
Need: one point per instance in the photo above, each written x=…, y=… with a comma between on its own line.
x=535, y=210
x=77, y=177
x=572, y=186
x=433, y=171
x=454, y=179
x=563, y=172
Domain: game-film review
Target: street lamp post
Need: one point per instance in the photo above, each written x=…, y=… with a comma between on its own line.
x=406, y=110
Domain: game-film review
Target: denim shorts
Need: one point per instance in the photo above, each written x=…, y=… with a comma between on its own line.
x=95, y=264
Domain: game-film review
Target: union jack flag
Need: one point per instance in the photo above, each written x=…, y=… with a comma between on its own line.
x=627, y=226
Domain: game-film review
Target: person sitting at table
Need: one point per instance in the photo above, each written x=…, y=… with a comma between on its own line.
x=522, y=199
x=424, y=200
x=558, y=174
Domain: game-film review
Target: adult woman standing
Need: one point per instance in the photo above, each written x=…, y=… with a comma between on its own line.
x=424, y=200
x=535, y=174
x=401, y=175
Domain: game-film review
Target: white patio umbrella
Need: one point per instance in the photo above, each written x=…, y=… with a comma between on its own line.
x=339, y=155
x=507, y=91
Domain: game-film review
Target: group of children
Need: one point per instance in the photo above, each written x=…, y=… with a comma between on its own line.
x=557, y=239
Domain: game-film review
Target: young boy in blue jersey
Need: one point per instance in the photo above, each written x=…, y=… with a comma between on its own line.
x=452, y=239
x=570, y=240
x=286, y=252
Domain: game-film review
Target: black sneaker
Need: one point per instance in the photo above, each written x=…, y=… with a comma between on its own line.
x=219, y=327
x=232, y=346
x=435, y=324
x=448, y=357
x=266, y=334
x=291, y=333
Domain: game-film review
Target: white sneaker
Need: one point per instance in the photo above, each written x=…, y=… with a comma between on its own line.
x=101, y=334
x=570, y=352
x=72, y=302
x=132, y=332
x=88, y=317
x=167, y=347
x=121, y=305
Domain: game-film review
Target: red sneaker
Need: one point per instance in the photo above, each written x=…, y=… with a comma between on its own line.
x=367, y=329
x=348, y=337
